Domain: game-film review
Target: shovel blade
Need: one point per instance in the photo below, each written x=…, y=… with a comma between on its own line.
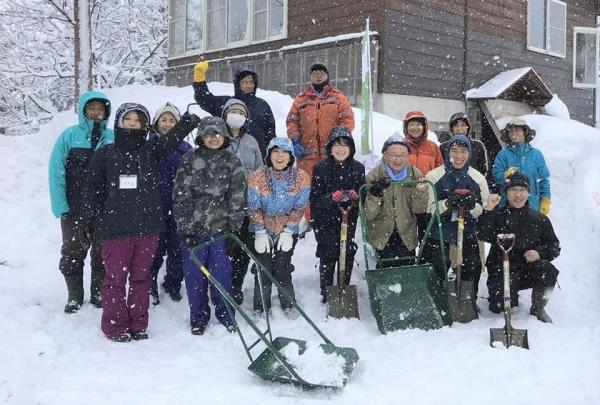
x=462, y=301
x=342, y=301
x=509, y=337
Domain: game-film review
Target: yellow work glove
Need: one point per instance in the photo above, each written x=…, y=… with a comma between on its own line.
x=545, y=205
x=200, y=69
x=510, y=171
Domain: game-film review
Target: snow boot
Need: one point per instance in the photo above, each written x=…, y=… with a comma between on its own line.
x=95, y=286
x=198, y=330
x=122, y=338
x=75, y=292
x=72, y=306
x=141, y=335
x=96, y=300
x=539, y=299
x=238, y=294
x=154, y=293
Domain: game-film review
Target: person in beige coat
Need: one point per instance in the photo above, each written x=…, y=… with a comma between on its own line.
x=390, y=208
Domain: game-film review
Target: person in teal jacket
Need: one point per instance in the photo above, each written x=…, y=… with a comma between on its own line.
x=68, y=169
x=520, y=156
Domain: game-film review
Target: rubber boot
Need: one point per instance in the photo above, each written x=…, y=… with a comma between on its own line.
x=75, y=291
x=539, y=298
x=96, y=285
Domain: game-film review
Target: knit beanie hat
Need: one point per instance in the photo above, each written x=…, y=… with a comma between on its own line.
x=517, y=179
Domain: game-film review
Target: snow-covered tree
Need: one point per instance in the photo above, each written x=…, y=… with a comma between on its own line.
x=38, y=50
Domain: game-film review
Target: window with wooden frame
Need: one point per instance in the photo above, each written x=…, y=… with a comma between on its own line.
x=199, y=26
x=585, y=57
x=547, y=27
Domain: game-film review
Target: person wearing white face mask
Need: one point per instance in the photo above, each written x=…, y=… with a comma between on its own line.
x=245, y=147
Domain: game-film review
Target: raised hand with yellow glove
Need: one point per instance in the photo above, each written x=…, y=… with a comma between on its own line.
x=200, y=69
x=545, y=205
x=510, y=171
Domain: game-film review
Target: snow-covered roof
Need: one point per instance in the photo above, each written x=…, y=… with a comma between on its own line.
x=498, y=84
x=522, y=85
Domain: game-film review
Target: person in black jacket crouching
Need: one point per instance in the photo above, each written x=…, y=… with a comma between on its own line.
x=535, y=246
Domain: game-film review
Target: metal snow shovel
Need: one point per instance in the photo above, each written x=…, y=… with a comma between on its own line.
x=461, y=292
x=342, y=300
x=508, y=335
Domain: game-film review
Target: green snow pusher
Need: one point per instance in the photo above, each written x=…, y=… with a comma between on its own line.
x=407, y=296
x=282, y=358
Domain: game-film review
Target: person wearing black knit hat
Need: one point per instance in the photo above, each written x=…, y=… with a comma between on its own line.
x=535, y=246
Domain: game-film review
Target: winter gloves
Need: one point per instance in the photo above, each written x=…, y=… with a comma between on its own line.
x=200, y=69
x=378, y=186
x=509, y=171
x=338, y=196
x=262, y=242
x=545, y=205
x=285, y=241
x=344, y=195
x=466, y=200
x=298, y=148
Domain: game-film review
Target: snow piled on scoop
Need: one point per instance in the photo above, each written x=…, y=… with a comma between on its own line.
x=314, y=365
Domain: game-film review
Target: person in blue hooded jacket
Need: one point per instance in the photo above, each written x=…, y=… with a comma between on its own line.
x=520, y=156
x=460, y=189
x=68, y=169
x=261, y=123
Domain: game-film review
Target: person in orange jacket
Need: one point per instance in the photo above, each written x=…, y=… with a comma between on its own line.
x=315, y=111
x=425, y=155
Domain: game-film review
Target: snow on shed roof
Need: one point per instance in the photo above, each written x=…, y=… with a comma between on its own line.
x=517, y=84
x=498, y=84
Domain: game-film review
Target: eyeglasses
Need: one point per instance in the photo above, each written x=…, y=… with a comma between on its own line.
x=212, y=135
x=397, y=156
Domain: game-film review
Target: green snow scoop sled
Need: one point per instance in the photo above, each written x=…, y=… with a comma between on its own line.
x=408, y=296
x=281, y=360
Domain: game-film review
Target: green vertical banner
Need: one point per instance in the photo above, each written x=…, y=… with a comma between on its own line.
x=366, y=93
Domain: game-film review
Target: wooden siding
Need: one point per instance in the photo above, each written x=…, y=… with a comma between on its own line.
x=423, y=51
x=422, y=55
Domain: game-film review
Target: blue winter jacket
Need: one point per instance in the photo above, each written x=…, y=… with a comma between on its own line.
x=71, y=156
x=529, y=161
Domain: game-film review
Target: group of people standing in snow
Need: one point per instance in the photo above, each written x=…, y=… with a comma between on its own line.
x=139, y=192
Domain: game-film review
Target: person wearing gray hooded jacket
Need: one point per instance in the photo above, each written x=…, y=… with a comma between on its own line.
x=245, y=147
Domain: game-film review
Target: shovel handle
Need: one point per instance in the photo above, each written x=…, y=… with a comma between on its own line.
x=341, y=274
x=506, y=270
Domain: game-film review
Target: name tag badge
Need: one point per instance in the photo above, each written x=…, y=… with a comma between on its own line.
x=128, y=181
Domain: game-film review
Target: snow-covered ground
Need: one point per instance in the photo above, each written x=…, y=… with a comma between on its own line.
x=48, y=357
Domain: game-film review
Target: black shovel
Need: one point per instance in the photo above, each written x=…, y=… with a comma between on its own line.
x=508, y=335
x=461, y=292
x=342, y=300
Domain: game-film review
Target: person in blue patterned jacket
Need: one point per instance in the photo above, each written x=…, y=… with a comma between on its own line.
x=277, y=196
x=68, y=169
